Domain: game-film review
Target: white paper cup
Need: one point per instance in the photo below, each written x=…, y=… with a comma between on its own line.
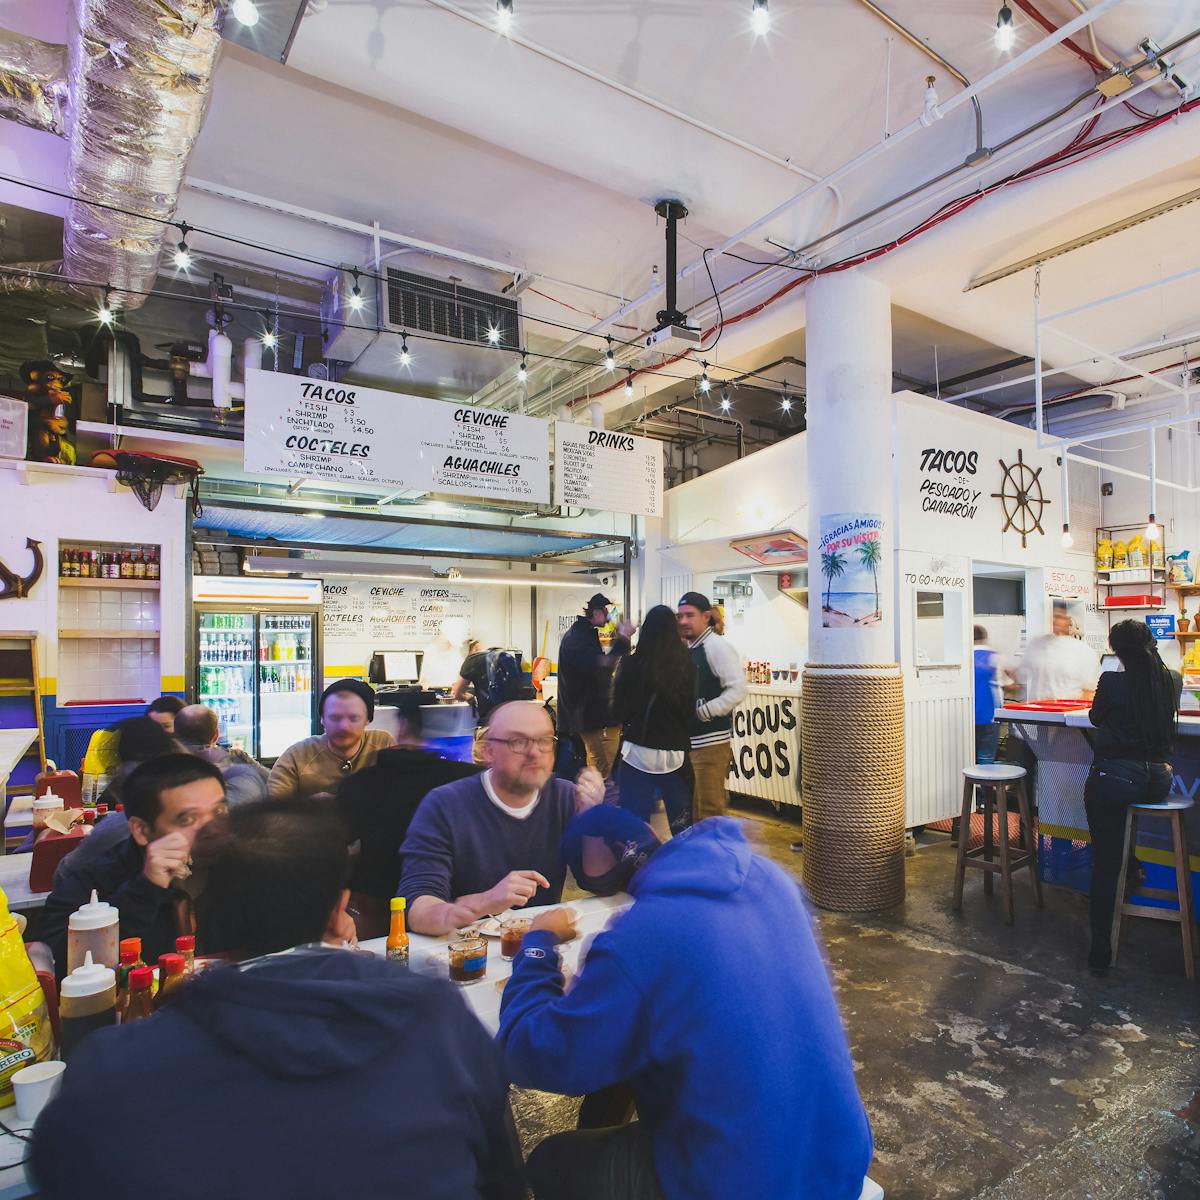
x=34, y=1087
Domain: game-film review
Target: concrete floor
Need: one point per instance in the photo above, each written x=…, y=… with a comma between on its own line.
x=992, y=1063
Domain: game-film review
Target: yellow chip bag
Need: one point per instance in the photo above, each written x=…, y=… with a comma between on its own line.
x=25, y=1033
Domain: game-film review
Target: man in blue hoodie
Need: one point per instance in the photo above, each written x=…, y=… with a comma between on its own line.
x=317, y=1074
x=710, y=997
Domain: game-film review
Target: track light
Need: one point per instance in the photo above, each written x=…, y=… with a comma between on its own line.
x=105, y=313
x=1067, y=540
x=504, y=15
x=183, y=256
x=1006, y=35
x=356, y=299
x=269, y=340
x=493, y=334
x=609, y=362
x=628, y=382
x=405, y=357
x=705, y=382
x=245, y=11
x=760, y=17
x=522, y=370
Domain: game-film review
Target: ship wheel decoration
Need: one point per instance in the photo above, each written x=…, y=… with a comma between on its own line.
x=1022, y=499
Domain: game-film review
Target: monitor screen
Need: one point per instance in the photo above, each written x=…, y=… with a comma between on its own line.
x=401, y=666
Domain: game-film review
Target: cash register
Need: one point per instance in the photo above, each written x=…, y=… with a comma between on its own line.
x=394, y=669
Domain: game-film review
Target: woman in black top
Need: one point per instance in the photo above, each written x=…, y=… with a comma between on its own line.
x=1134, y=715
x=653, y=699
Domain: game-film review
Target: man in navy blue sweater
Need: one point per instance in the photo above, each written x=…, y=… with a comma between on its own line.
x=491, y=842
x=709, y=996
x=311, y=1075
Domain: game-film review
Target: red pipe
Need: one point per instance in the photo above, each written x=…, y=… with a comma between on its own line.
x=1049, y=26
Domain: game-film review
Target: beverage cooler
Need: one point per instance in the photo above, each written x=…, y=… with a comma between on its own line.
x=257, y=658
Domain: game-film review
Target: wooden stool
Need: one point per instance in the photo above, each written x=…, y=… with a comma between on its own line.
x=994, y=780
x=1185, y=915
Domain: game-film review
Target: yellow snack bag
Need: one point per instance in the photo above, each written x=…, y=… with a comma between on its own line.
x=1104, y=555
x=1120, y=555
x=1136, y=557
x=25, y=1033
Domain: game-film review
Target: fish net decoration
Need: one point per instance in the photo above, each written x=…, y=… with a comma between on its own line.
x=146, y=474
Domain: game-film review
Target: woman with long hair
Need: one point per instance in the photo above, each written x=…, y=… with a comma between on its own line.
x=654, y=696
x=1134, y=714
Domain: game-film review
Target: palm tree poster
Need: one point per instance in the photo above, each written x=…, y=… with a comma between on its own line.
x=851, y=557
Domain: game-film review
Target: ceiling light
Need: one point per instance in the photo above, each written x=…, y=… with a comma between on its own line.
x=760, y=17
x=522, y=370
x=315, y=516
x=609, y=361
x=1005, y=33
x=785, y=402
x=245, y=11
x=269, y=340
x=1153, y=532
x=405, y=357
x=725, y=404
x=183, y=256
x=1067, y=540
x=504, y=15
x=628, y=382
x=705, y=382
x=356, y=299
x=493, y=334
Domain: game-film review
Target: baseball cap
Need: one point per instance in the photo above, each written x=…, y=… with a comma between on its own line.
x=630, y=841
x=600, y=600
x=695, y=600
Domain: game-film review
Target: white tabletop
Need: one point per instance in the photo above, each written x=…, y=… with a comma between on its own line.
x=14, y=879
x=13, y=744
x=15, y=1183
x=427, y=955
x=1187, y=726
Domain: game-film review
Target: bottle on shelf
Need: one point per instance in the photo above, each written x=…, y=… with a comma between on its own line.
x=139, y=565
x=152, y=567
x=126, y=565
x=139, y=999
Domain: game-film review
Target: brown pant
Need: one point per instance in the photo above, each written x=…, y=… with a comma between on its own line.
x=601, y=747
x=710, y=765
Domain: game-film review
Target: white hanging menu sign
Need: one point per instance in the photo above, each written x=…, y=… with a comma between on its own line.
x=386, y=616
x=615, y=472
x=310, y=428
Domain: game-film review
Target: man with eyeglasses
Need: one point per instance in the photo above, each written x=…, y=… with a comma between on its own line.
x=491, y=842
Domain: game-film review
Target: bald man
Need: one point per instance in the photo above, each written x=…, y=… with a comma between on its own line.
x=196, y=729
x=491, y=842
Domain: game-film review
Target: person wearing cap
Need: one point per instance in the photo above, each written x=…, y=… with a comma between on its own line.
x=584, y=704
x=377, y=805
x=720, y=688
x=317, y=765
x=729, y=1104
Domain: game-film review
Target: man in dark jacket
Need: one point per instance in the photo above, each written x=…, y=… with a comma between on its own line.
x=377, y=806
x=197, y=730
x=146, y=876
x=709, y=996
x=584, y=704
x=335, y=1074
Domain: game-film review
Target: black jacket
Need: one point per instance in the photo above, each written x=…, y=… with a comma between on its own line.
x=585, y=678
x=335, y=1074
x=656, y=718
x=1118, y=734
x=146, y=911
x=377, y=804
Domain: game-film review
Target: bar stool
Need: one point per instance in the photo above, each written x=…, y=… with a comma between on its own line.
x=994, y=781
x=1185, y=915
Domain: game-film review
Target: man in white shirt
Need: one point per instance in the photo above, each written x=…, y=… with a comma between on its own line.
x=1058, y=666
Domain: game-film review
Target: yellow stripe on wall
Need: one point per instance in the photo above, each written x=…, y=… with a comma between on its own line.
x=172, y=683
x=334, y=672
x=48, y=685
x=1162, y=857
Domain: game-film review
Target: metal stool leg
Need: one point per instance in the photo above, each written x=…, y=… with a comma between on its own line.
x=1183, y=889
x=1005, y=853
x=1032, y=841
x=988, y=791
x=964, y=840
x=1119, y=903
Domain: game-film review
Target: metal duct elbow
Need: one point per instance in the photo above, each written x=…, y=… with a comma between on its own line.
x=141, y=75
x=33, y=82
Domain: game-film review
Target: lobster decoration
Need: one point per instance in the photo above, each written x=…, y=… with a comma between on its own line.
x=13, y=586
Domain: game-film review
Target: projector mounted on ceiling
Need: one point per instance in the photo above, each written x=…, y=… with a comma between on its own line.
x=673, y=334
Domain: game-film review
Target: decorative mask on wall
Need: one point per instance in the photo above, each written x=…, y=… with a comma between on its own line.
x=51, y=413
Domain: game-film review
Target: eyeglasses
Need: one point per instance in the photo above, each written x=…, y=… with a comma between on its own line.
x=523, y=745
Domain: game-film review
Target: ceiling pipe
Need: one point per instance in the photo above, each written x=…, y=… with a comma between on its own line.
x=33, y=85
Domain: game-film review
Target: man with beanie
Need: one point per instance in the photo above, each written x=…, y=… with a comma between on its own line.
x=585, y=673
x=759, y=1107
x=720, y=688
x=317, y=765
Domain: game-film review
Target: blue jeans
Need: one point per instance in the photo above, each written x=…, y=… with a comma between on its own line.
x=639, y=790
x=987, y=742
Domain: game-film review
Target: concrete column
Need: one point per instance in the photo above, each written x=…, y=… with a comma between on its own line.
x=853, y=709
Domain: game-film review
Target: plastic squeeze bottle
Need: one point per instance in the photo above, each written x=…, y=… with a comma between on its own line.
x=93, y=926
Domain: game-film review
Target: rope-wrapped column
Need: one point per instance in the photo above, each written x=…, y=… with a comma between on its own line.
x=852, y=730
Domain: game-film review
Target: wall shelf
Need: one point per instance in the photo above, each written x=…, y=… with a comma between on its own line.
x=119, y=585
x=144, y=635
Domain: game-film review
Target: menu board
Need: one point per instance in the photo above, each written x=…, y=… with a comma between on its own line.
x=388, y=615
x=615, y=472
x=313, y=429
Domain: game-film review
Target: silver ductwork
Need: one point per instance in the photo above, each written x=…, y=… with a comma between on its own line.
x=141, y=75
x=32, y=82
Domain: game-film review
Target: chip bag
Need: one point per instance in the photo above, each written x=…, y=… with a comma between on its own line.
x=25, y=1033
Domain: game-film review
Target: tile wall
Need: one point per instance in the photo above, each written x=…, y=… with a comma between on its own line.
x=108, y=668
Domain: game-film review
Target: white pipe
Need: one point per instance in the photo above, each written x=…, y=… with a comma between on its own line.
x=596, y=414
x=1153, y=466
x=1105, y=466
x=220, y=362
x=252, y=349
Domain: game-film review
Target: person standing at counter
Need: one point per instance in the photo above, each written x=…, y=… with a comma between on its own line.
x=1058, y=666
x=987, y=697
x=720, y=688
x=1134, y=714
x=585, y=675
x=654, y=692
x=317, y=765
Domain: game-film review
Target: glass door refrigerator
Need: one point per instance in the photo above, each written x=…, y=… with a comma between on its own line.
x=257, y=658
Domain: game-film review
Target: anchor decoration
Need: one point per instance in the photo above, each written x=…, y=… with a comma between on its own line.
x=14, y=586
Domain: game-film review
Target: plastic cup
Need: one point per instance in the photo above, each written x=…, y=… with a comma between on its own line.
x=34, y=1087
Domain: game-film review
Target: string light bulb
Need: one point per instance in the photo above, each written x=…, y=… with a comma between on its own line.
x=105, y=314
x=760, y=17
x=1006, y=34
x=356, y=299
x=785, y=402
x=504, y=16
x=726, y=403
x=705, y=382
x=523, y=370
x=269, y=340
x=493, y=334
x=610, y=363
x=405, y=357
x=245, y=11
x=1152, y=530
x=183, y=256
x=628, y=382
x=1067, y=540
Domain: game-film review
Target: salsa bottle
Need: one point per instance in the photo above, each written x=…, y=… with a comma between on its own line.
x=171, y=978
x=87, y=1001
x=139, y=1000
x=130, y=959
x=185, y=945
x=397, y=938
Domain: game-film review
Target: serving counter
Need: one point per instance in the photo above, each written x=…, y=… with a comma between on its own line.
x=1061, y=742
x=766, y=745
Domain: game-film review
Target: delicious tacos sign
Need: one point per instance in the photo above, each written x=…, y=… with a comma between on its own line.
x=851, y=558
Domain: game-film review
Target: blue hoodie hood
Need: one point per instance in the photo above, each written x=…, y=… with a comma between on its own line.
x=308, y=1014
x=711, y=858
